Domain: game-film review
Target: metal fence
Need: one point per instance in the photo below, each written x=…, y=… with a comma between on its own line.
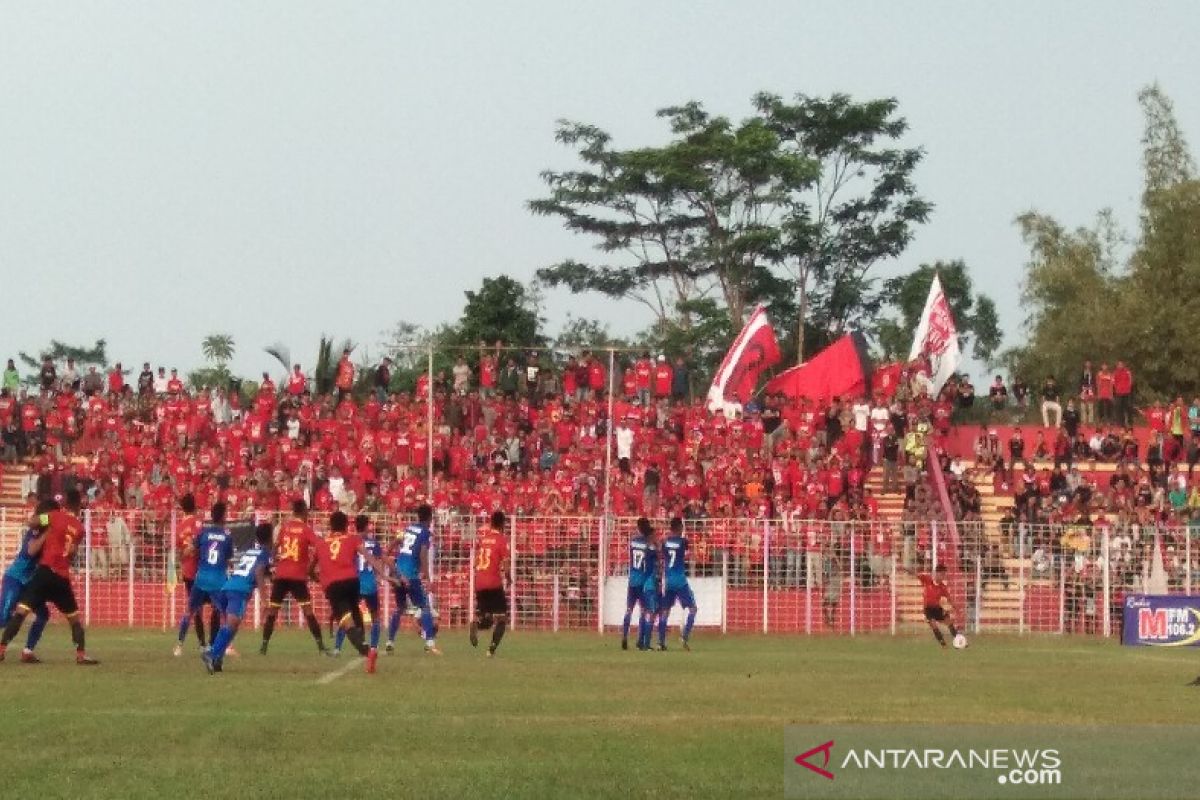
x=751, y=575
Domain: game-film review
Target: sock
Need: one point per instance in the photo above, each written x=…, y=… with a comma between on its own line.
x=643, y=632
x=662, y=628
x=198, y=624
x=214, y=624
x=183, y=626
x=12, y=628
x=314, y=628
x=953, y=630
x=427, y=626
x=77, y=636
x=221, y=642
x=625, y=624
x=687, y=625
x=937, y=634
x=375, y=630
x=269, y=625
x=355, y=635
x=339, y=638
x=40, y=618
x=498, y=632
x=393, y=625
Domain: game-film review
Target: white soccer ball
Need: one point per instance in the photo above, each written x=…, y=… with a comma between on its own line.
x=960, y=642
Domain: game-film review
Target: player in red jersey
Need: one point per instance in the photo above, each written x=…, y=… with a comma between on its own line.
x=186, y=529
x=337, y=566
x=59, y=535
x=293, y=561
x=491, y=575
x=935, y=597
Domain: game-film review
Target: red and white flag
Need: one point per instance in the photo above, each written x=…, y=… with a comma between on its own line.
x=936, y=339
x=753, y=351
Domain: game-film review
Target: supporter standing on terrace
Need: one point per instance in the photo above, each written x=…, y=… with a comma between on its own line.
x=1123, y=394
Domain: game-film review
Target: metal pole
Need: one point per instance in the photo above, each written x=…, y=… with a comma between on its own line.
x=1062, y=595
x=172, y=571
x=132, y=560
x=893, y=588
x=429, y=424
x=608, y=440
x=512, y=574
x=766, y=567
x=933, y=543
x=87, y=567
x=1021, y=580
x=978, y=591
x=1106, y=585
x=853, y=584
x=471, y=583
x=724, y=591
x=601, y=574
x=1187, y=561
x=808, y=582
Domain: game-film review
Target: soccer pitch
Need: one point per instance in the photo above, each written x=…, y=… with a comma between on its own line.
x=553, y=715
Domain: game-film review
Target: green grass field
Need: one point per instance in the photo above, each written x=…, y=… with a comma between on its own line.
x=559, y=716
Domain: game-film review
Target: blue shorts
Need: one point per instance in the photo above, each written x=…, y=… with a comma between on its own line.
x=650, y=598
x=633, y=596
x=199, y=597
x=682, y=594
x=412, y=594
x=234, y=603
x=10, y=590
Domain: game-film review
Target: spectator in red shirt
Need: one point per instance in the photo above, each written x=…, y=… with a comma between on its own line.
x=116, y=380
x=663, y=375
x=1123, y=393
x=296, y=383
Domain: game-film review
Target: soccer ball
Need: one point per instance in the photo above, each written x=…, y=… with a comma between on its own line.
x=960, y=642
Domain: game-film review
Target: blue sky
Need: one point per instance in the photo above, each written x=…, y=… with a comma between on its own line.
x=277, y=170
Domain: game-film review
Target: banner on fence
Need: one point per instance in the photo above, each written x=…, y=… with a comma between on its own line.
x=708, y=593
x=1162, y=621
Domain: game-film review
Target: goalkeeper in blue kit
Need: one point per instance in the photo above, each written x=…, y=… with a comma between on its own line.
x=674, y=558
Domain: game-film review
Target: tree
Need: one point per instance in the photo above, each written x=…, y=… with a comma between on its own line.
x=84, y=356
x=218, y=348
x=858, y=209
x=503, y=310
x=1086, y=302
x=581, y=333
x=975, y=314
x=727, y=215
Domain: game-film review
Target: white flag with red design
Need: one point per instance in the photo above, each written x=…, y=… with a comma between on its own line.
x=753, y=351
x=936, y=339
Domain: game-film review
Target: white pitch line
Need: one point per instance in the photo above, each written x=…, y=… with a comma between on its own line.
x=330, y=677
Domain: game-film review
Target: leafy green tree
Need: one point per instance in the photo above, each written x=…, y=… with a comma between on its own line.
x=791, y=207
x=503, y=310
x=218, y=348
x=975, y=314
x=1087, y=302
x=581, y=333
x=59, y=352
x=859, y=208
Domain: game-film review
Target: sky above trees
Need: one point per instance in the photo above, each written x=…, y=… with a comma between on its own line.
x=283, y=170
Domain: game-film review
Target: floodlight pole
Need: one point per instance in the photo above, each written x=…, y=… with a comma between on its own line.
x=429, y=425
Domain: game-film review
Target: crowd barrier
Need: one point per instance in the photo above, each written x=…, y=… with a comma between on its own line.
x=750, y=575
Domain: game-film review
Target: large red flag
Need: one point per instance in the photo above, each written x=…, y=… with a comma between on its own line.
x=753, y=351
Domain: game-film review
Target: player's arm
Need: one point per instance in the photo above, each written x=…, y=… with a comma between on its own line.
x=376, y=563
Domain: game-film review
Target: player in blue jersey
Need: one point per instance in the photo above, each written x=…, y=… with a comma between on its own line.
x=368, y=584
x=411, y=552
x=214, y=549
x=675, y=574
x=642, y=563
x=15, y=577
x=249, y=573
x=651, y=593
